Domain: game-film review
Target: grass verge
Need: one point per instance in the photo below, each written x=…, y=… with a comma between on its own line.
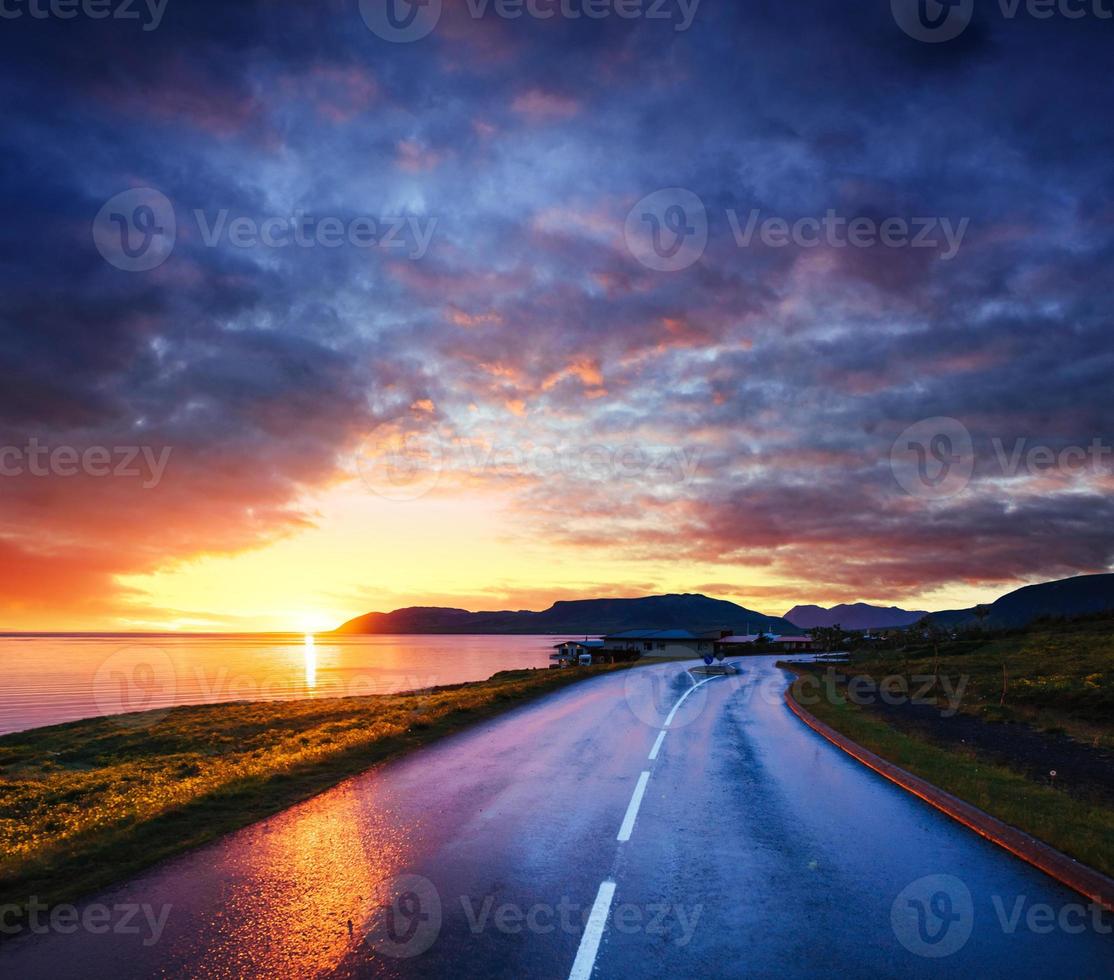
x=1082, y=830
x=1058, y=678
x=86, y=804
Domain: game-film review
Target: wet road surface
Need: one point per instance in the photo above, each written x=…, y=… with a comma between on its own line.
x=572, y=838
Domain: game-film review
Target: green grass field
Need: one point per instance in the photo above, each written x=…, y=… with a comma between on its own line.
x=1057, y=677
x=85, y=804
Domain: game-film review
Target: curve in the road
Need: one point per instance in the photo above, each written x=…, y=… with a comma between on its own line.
x=1090, y=883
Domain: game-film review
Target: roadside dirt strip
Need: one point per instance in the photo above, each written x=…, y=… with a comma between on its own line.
x=1088, y=882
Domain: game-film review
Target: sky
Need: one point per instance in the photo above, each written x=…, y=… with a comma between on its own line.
x=308, y=311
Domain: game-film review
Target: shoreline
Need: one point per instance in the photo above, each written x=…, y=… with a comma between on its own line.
x=87, y=804
x=319, y=635
x=57, y=680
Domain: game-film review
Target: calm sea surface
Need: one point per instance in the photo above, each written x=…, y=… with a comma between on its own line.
x=48, y=680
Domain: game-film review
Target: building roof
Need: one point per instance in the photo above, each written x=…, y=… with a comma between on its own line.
x=656, y=635
x=591, y=644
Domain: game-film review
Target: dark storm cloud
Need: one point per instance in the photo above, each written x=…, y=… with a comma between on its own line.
x=528, y=142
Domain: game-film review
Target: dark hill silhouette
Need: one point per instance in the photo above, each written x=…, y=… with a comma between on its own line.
x=1083, y=595
x=857, y=616
x=694, y=612
x=1079, y=596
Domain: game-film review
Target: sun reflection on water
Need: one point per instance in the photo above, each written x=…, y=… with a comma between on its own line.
x=311, y=662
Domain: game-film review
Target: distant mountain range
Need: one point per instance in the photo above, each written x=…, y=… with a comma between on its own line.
x=858, y=616
x=1078, y=596
x=694, y=612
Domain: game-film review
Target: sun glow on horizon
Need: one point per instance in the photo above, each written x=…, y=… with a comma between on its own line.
x=311, y=623
x=366, y=554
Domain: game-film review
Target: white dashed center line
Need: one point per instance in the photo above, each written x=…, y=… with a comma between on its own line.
x=681, y=700
x=632, y=810
x=593, y=933
x=597, y=919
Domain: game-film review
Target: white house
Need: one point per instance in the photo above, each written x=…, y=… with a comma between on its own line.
x=572, y=650
x=664, y=643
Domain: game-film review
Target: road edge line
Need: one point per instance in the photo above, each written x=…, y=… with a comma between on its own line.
x=1079, y=877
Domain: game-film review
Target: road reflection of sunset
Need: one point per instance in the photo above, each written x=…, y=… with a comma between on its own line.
x=294, y=883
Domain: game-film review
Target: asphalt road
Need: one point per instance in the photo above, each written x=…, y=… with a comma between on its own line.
x=571, y=838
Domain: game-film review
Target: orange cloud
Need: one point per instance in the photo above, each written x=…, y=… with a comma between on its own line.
x=459, y=318
x=587, y=371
